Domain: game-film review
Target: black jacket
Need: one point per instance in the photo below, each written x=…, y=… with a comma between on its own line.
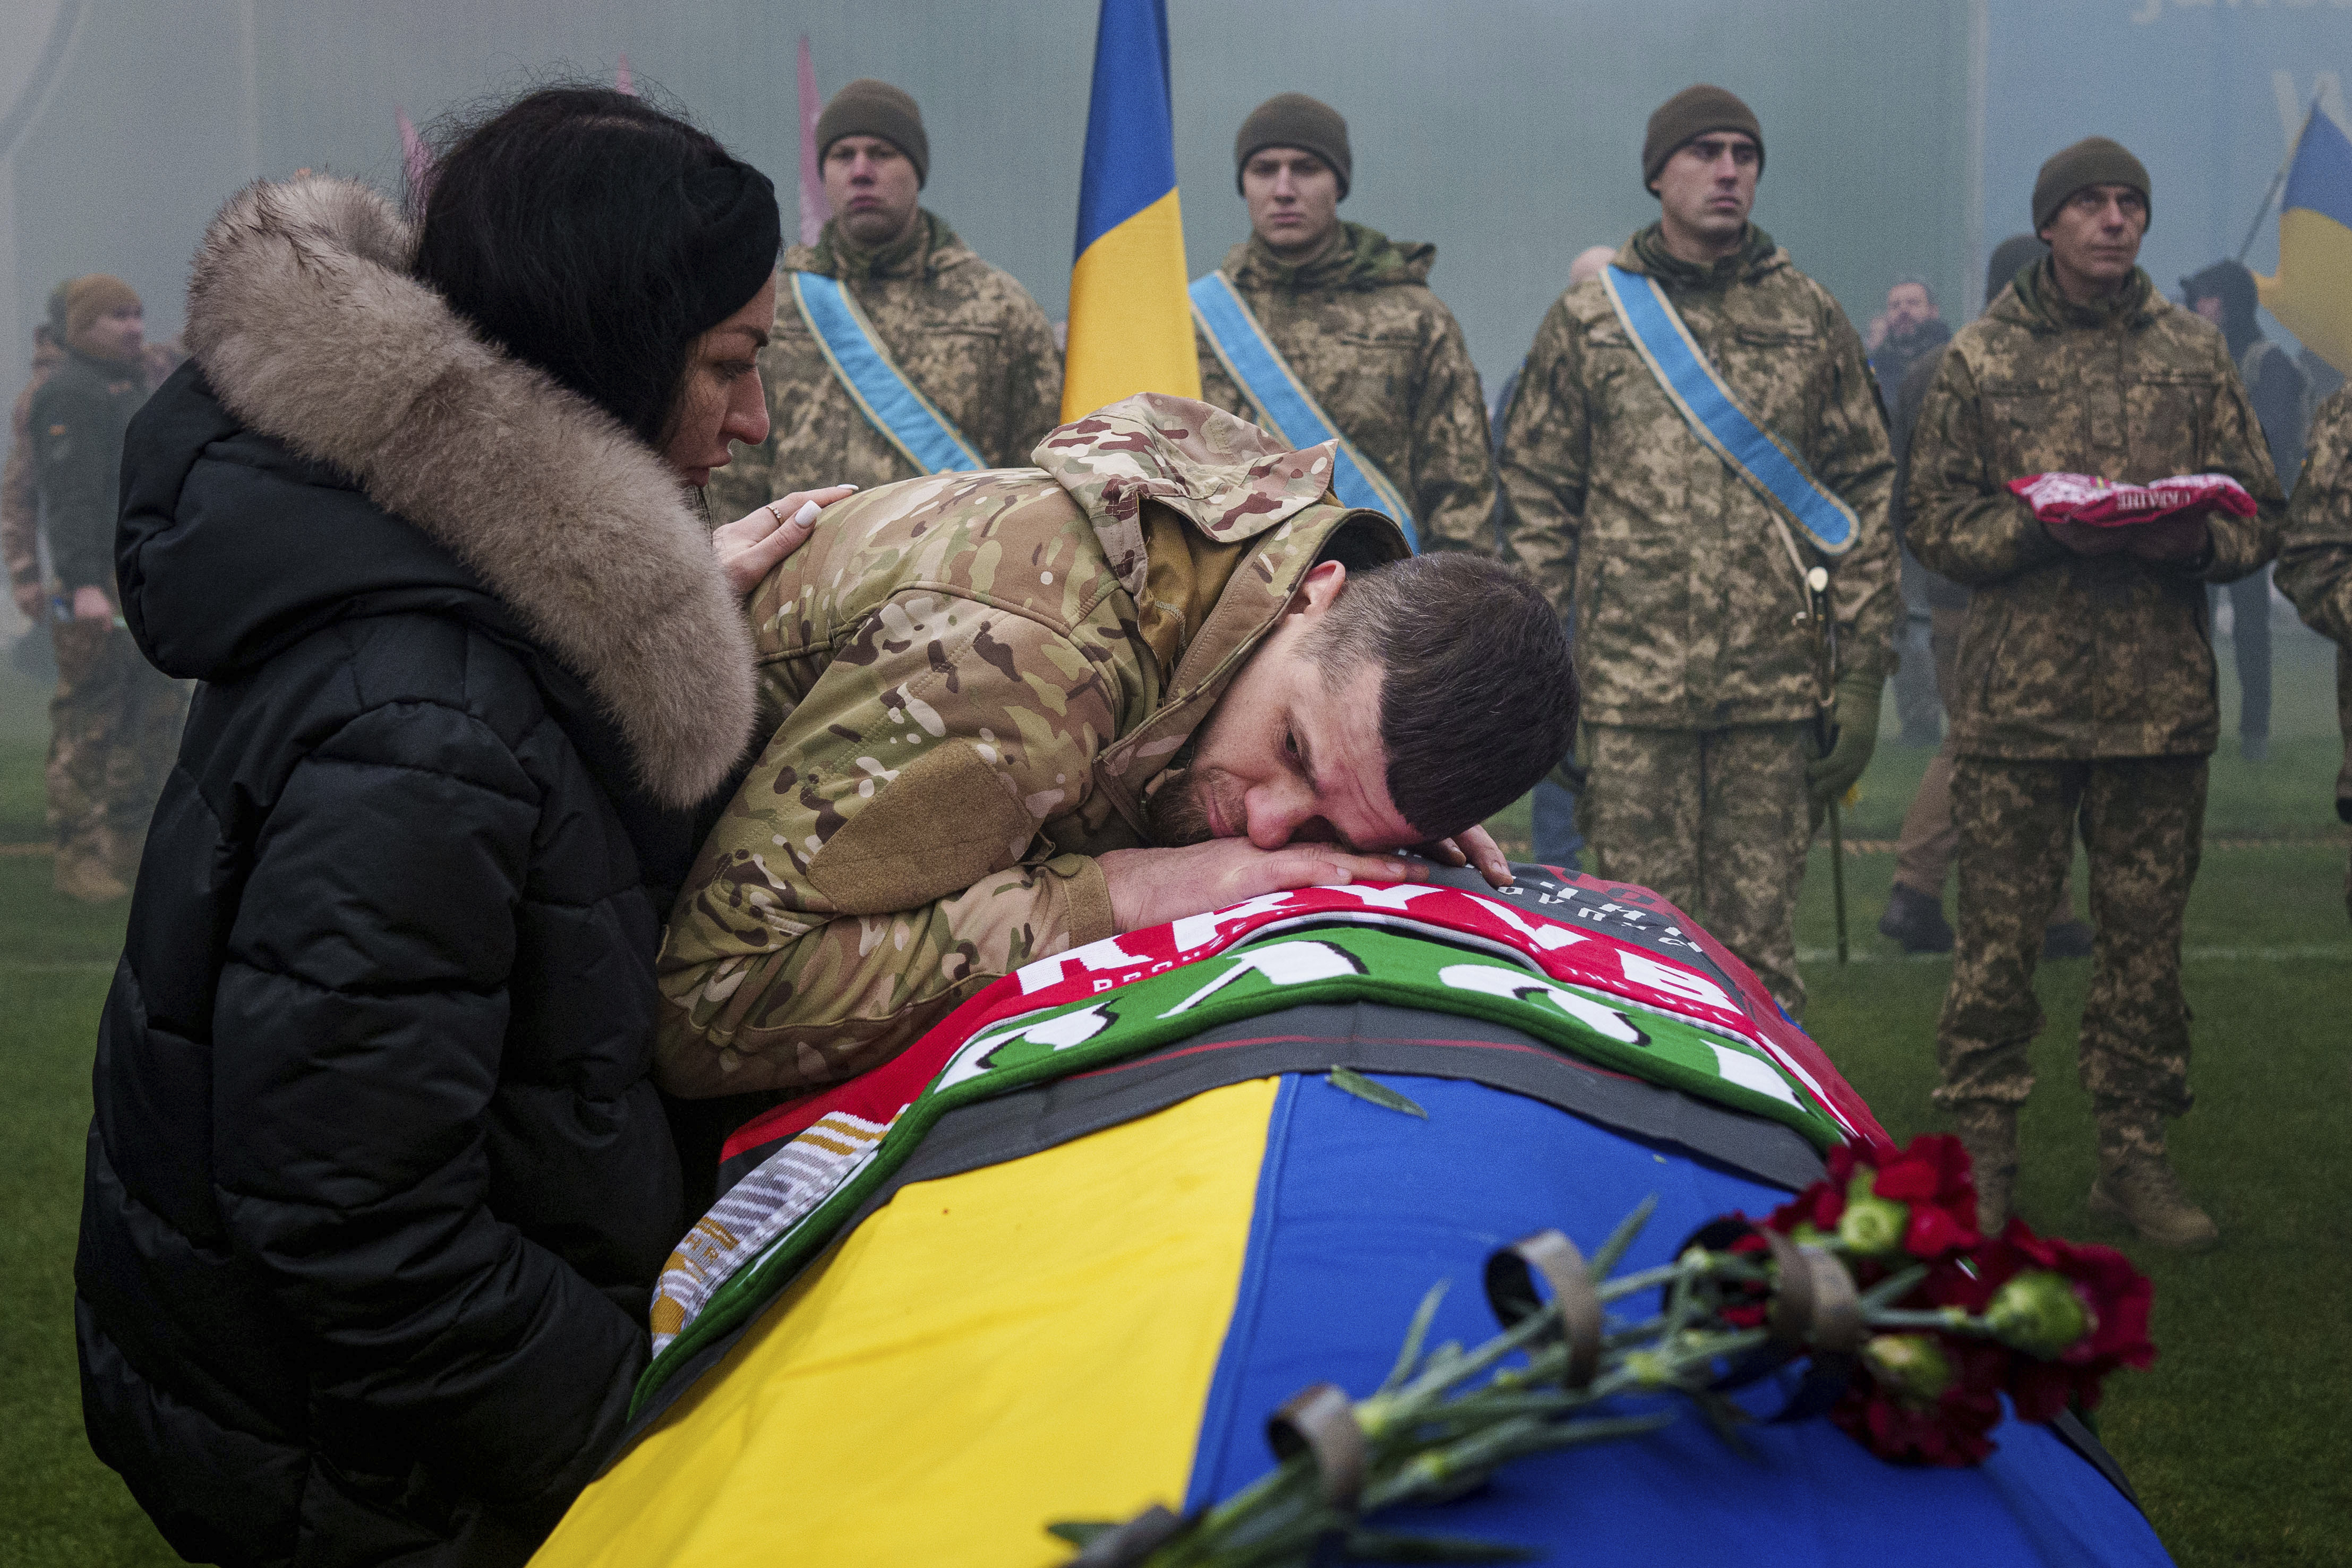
x=76, y=421
x=377, y=1178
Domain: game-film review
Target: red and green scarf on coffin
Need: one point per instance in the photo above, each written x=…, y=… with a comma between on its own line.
x=1608, y=974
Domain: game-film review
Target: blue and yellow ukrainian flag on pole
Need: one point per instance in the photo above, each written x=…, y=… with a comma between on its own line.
x=2312, y=295
x=1130, y=319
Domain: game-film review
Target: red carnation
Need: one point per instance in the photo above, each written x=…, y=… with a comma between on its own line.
x=1929, y=1178
x=1949, y=1432
x=2115, y=1297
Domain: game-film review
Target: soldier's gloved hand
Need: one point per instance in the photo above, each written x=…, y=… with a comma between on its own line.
x=1828, y=778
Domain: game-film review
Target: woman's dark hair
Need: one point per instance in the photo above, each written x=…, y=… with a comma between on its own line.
x=596, y=236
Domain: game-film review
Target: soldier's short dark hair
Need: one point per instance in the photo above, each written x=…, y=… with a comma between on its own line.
x=596, y=236
x=1478, y=693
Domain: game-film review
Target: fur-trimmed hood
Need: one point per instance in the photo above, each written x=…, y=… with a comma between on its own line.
x=305, y=322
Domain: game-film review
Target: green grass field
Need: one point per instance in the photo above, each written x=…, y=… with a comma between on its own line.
x=2237, y=1440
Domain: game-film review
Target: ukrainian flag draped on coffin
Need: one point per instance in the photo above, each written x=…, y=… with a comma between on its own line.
x=2312, y=295
x=1130, y=319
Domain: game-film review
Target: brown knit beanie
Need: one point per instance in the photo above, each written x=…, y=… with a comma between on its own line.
x=1294, y=119
x=91, y=296
x=2092, y=161
x=1690, y=114
x=870, y=107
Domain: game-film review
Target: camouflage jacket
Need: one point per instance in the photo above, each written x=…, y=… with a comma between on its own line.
x=965, y=334
x=1690, y=613
x=1388, y=362
x=973, y=683
x=20, y=492
x=2066, y=655
x=78, y=420
x=2315, y=554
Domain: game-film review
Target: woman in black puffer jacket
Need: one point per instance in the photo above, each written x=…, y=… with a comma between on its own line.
x=377, y=1181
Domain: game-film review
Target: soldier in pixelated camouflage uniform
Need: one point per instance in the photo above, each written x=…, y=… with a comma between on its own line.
x=966, y=334
x=2314, y=567
x=974, y=685
x=115, y=719
x=1350, y=311
x=2086, y=683
x=1694, y=644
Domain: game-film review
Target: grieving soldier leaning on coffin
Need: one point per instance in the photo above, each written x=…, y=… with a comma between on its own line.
x=1010, y=714
x=2086, y=681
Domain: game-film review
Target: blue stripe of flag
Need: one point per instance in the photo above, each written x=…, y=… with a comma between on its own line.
x=1130, y=129
x=2321, y=179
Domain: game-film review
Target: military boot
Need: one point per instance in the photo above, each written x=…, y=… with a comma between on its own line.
x=82, y=874
x=2137, y=1183
x=1915, y=921
x=1988, y=1130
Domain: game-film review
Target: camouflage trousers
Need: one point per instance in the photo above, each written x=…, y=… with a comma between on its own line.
x=1716, y=822
x=2143, y=820
x=114, y=732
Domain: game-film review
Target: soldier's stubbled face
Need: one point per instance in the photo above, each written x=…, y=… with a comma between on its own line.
x=1709, y=186
x=872, y=188
x=1293, y=752
x=2095, y=239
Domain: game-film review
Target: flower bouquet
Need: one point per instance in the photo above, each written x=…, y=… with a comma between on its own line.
x=1912, y=1325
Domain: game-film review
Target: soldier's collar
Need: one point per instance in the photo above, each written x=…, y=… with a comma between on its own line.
x=1649, y=248
x=908, y=256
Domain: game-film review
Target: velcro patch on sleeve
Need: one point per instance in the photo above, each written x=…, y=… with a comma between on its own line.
x=946, y=821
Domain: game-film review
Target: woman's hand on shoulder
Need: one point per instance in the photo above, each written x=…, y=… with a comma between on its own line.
x=749, y=546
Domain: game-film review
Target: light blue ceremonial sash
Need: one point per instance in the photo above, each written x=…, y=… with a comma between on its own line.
x=1717, y=418
x=1252, y=360
x=908, y=420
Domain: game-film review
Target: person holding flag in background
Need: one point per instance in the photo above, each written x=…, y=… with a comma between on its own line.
x=1314, y=328
x=895, y=351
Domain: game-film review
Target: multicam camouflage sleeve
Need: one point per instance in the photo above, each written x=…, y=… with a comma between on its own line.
x=1545, y=458
x=876, y=866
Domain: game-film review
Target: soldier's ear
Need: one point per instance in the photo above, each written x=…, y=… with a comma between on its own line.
x=1318, y=590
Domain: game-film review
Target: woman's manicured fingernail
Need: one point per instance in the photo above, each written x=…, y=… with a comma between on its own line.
x=807, y=515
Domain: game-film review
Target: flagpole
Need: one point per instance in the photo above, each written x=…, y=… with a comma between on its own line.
x=2277, y=181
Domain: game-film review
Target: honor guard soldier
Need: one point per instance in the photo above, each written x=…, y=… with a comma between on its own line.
x=1315, y=329
x=897, y=352
x=1695, y=460
x=2086, y=690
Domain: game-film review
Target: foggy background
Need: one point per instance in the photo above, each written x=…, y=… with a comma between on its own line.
x=1900, y=138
